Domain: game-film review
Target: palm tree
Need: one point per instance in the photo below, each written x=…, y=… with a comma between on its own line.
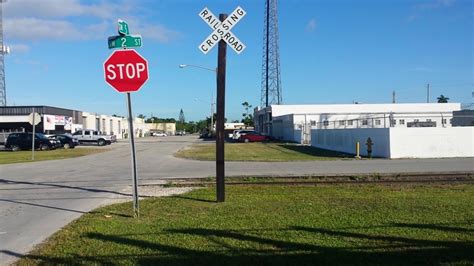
x=443, y=99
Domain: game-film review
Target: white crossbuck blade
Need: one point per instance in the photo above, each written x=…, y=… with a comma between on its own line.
x=222, y=30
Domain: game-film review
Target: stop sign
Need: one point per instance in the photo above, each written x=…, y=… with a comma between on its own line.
x=126, y=70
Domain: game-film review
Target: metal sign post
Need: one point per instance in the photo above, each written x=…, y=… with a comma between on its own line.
x=134, y=159
x=126, y=71
x=223, y=36
x=34, y=119
x=33, y=137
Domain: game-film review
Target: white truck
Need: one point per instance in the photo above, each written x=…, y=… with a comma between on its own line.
x=93, y=136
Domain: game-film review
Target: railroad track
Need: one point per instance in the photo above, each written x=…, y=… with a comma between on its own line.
x=407, y=178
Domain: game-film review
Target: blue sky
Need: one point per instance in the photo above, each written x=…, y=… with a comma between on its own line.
x=332, y=51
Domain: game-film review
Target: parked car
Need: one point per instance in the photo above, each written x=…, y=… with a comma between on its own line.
x=237, y=133
x=23, y=141
x=159, y=134
x=65, y=141
x=180, y=133
x=94, y=136
x=55, y=142
x=253, y=137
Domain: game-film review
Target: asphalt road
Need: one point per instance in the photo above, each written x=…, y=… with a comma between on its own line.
x=37, y=199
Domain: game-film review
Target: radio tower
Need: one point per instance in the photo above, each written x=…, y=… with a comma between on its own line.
x=271, y=78
x=3, y=51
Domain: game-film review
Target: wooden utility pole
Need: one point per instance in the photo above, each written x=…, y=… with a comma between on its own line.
x=220, y=138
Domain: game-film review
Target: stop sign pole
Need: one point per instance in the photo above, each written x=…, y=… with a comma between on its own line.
x=126, y=71
x=136, y=210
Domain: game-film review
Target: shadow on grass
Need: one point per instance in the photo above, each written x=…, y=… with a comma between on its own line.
x=228, y=247
x=313, y=151
x=193, y=199
x=435, y=227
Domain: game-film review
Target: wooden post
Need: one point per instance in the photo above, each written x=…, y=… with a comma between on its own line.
x=220, y=138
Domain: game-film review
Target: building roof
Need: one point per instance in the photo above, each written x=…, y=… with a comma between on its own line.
x=279, y=110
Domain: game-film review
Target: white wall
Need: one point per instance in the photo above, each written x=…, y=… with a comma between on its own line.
x=13, y=118
x=399, y=142
x=432, y=142
x=344, y=140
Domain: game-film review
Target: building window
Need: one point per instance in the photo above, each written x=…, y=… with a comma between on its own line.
x=313, y=123
x=402, y=121
x=394, y=122
x=350, y=123
x=428, y=120
x=365, y=122
x=416, y=120
x=342, y=123
x=443, y=121
x=326, y=123
x=451, y=121
x=377, y=122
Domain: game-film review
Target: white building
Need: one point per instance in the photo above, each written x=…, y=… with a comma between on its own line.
x=114, y=125
x=398, y=130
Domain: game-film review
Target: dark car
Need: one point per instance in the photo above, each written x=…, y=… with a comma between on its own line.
x=23, y=141
x=55, y=142
x=253, y=137
x=66, y=141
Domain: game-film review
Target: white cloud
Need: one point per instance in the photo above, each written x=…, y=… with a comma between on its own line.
x=428, y=6
x=37, y=29
x=37, y=65
x=61, y=8
x=18, y=48
x=436, y=4
x=158, y=33
x=155, y=32
x=311, y=26
x=32, y=20
x=420, y=69
x=411, y=18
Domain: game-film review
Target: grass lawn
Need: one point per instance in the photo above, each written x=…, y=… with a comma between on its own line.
x=266, y=152
x=277, y=225
x=7, y=157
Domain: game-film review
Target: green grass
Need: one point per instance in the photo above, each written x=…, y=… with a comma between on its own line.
x=277, y=225
x=7, y=157
x=264, y=152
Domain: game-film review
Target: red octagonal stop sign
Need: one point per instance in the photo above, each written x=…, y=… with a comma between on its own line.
x=126, y=70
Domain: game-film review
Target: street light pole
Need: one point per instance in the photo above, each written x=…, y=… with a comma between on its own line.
x=212, y=114
x=212, y=93
x=212, y=111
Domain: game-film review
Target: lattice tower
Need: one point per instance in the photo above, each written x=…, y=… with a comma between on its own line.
x=182, y=119
x=3, y=50
x=271, y=76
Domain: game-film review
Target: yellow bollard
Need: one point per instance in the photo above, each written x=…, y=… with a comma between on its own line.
x=357, y=150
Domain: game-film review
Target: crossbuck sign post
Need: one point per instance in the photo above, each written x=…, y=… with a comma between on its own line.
x=221, y=34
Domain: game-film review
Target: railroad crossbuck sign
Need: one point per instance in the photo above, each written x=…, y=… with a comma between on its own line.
x=222, y=30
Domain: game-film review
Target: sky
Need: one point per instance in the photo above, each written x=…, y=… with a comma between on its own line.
x=331, y=52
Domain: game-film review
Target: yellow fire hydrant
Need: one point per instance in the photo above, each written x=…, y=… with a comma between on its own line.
x=369, y=144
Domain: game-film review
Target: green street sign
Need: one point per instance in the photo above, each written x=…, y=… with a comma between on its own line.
x=125, y=41
x=123, y=28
